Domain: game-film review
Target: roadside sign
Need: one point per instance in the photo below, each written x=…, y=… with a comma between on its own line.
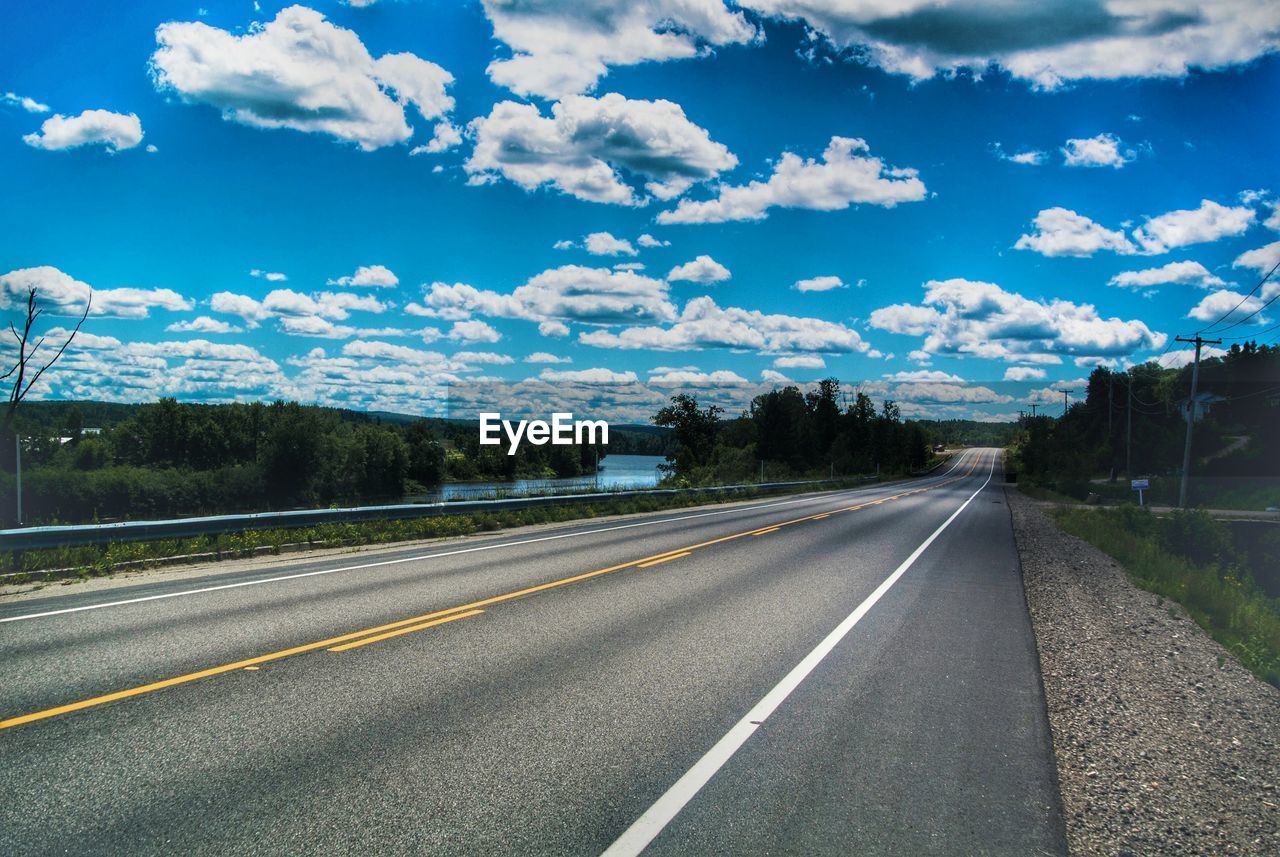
x=1139, y=485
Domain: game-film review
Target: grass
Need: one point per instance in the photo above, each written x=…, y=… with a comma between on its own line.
x=1160, y=555
x=100, y=560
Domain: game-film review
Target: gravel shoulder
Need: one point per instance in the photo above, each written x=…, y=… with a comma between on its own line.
x=1164, y=743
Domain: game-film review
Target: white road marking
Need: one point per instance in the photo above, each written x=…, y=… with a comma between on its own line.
x=205, y=589
x=652, y=822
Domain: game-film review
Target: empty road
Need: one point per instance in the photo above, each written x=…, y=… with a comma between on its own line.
x=846, y=672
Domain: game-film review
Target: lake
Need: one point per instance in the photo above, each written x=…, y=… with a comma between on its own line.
x=617, y=472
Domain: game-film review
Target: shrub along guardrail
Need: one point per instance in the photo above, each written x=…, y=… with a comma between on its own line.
x=35, y=538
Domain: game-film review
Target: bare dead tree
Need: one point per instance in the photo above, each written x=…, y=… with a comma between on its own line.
x=23, y=371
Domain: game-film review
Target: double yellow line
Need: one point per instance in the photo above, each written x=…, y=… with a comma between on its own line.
x=356, y=639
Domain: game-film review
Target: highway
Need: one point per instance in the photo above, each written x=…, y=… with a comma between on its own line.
x=846, y=672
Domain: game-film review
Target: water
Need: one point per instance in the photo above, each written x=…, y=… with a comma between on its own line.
x=617, y=472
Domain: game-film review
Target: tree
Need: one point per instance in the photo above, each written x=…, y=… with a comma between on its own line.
x=695, y=432
x=22, y=371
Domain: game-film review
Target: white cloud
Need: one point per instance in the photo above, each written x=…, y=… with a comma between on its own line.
x=1062, y=232
x=693, y=378
x=113, y=131
x=1024, y=373
x=975, y=319
x=1025, y=158
x=1100, y=151
x=1046, y=44
x=703, y=324
x=1262, y=259
x=566, y=293
x=546, y=357
x=487, y=358
x=819, y=284
x=1180, y=273
x=933, y=392
x=269, y=276
x=587, y=144
x=926, y=376
x=800, y=361
x=473, y=331
x=604, y=244
x=769, y=376
x=445, y=137
x=300, y=71
x=588, y=376
x=921, y=357
x=203, y=324
x=1222, y=304
x=847, y=175
x=647, y=240
x=28, y=104
x=628, y=266
x=560, y=49
x=375, y=276
x=61, y=294
x=1273, y=221
x=553, y=329
x=702, y=269
x=1209, y=222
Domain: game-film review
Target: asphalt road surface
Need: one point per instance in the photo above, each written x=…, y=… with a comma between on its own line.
x=839, y=673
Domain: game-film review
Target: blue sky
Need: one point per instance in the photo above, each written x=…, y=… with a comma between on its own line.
x=1004, y=196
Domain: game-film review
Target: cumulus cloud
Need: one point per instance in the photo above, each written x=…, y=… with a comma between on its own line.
x=819, y=284
x=647, y=240
x=588, y=376
x=553, y=329
x=1228, y=306
x=702, y=269
x=1062, y=232
x=62, y=294
x=1046, y=44
x=1179, y=273
x=1209, y=222
x=445, y=137
x=568, y=293
x=269, y=276
x=28, y=104
x=684, y=378
x=926, y=375
x=546, y=357
x=560, y=49
x=1262, y=260
x=1024, y=373
x=976, y=319
x=800, y=361
x=847, y=175
x=1025, y=158
x=605, y=244
x=113, y=131
x=587, y=145
x=1100, y=151
x=300, y=314
x=473, y=331
x=203, y=324
x=301, y=72
x=704, y=324
x=374, y=276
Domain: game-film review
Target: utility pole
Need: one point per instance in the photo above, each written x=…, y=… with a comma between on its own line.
x=1111, y=383
x=1064, y=401
x=1033, y=410
x=1191, y=414
x=1128, y=430
x=17, y=448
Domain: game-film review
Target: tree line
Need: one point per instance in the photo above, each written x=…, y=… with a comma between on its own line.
x=1133, y=423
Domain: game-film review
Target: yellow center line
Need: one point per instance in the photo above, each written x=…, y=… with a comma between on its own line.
x=426, y=620
x=396, y=633
x=765, y=532
x=661, y=560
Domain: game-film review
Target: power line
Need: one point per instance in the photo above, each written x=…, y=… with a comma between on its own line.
x=1241, y=303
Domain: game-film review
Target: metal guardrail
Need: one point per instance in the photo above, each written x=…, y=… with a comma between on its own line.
x=33, y=538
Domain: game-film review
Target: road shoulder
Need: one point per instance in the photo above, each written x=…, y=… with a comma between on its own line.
x=1164, y=743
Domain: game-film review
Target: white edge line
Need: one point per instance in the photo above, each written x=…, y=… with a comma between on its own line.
x=652, y=822
x=418, y=558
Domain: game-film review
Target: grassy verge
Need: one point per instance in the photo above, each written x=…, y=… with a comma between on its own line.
x=1186, y=558
x=99, y=560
